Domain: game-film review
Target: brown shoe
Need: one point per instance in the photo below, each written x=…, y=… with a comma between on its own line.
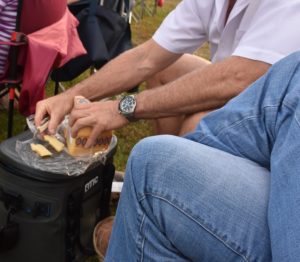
x=101, y=236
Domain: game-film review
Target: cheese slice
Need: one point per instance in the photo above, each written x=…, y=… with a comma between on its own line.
x=40, y=150
x=44, y=125
x=54, y=142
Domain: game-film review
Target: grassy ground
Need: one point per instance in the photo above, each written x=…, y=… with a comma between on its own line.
x=142, y=29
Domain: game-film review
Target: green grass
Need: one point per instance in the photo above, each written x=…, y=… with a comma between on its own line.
x=128, y=136
x=142, y=30
x=131, y=134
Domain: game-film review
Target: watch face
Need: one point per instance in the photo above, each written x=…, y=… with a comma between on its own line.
x=127, y=104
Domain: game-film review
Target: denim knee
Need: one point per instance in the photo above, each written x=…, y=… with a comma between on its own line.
x=154, y=144
x=148, y=149
x=149, y=159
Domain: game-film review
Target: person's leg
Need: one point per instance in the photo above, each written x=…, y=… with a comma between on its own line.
x=183, y=201
x=263, y=125
x=190, y=122
x=186, y=64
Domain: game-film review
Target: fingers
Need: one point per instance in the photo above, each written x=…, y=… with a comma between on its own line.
x=83, y=105
x=99, y=116
x=53, y=124
x=87, y=122
x=93, y=137
x=78, y=113
x=88, y=115
x=40, y=114
x=80, y=123
x=56, y=108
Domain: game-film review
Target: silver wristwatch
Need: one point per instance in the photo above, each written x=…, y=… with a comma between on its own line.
x=127, y=107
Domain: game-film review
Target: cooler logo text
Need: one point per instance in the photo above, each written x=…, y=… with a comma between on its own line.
x=91, y=184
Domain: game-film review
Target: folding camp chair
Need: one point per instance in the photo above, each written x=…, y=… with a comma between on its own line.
x=105, y=33
x=142, y=7
x=34, y=51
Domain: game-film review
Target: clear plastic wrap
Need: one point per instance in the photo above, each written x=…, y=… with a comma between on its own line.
x=61, y=163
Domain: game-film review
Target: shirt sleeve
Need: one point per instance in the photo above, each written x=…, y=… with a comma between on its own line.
x=184, y=29
x=273, y=32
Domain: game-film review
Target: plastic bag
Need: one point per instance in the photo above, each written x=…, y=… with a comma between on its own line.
x=61, y=163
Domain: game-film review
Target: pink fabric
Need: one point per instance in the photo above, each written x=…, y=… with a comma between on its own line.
x=47, y=48
x=37, y=14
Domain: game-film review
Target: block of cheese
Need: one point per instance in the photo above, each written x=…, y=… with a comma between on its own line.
x=40, y=150
x=76, y=145
x=54, y=142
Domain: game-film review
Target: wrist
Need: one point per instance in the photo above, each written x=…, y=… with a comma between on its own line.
x=74, y=91
x=127, y=106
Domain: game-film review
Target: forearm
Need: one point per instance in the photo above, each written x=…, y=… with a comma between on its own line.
x=72, y=1
x=205, y=89
x=124, y=72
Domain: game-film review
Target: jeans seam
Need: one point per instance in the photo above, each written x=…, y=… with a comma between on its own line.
x=236, y=123
x=143, y=241
x=286, y=104
x=141, y=198
x=200, y=224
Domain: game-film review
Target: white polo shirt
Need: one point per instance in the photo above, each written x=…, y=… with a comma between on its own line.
x=272, y=33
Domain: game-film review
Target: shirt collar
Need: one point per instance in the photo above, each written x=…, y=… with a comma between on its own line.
x=221, y=8
x=239, y=6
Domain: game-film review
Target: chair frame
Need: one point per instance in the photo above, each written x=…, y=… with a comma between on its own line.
x=11, y=83
x=121, y=9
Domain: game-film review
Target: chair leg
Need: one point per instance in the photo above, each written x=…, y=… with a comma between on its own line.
x=56, y=87
x=10, y=112
x=59, y=86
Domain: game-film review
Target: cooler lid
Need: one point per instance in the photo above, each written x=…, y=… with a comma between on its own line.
x=12, y=162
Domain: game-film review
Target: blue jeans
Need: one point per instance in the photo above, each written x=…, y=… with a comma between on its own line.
x=230, y=191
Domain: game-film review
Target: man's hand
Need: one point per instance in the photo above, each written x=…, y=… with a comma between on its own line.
x=56, y=108
x=100, y=116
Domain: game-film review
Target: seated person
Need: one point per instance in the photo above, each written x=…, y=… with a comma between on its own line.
x=200, y=87
x=8, y=15
x=229, y=191
x=186, y=86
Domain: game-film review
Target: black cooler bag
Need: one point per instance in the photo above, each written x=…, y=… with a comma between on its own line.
x=47, y=216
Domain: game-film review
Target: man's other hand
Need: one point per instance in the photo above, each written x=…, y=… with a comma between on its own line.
x=100, y=116
x=56, y=108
